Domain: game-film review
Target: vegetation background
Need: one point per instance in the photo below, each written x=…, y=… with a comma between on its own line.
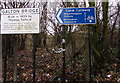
x=105, y=45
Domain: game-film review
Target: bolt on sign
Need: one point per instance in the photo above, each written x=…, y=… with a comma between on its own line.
x=20, y=21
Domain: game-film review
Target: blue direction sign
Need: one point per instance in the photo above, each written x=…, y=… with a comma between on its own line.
x=76, y=16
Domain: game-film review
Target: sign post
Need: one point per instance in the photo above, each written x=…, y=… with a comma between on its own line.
x=5, y=57
x=90, y=55
x=0, y=54
x=71, y=16
x=34, y=57
x=64, y=56
x=20, y=21
x=0, y=58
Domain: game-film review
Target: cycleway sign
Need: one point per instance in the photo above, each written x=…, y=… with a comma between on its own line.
x=76, y=16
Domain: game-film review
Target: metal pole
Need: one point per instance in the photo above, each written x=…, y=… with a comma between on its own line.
x=64, y=56
x=5, y=58
x=0, y=58
x=34, y=57
x=0, y=50
x=90, y=54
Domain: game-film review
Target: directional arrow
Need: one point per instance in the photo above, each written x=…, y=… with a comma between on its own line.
x=58, y=16
x=76, y=16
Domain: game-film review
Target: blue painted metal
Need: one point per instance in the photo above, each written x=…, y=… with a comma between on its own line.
x=76, y=16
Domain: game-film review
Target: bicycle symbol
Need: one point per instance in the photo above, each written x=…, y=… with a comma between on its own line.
x=90, y=18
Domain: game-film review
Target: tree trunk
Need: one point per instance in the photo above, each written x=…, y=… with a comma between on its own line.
x=104, y=43
x=118, y=54
x=105, y=22
x=86, y=66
